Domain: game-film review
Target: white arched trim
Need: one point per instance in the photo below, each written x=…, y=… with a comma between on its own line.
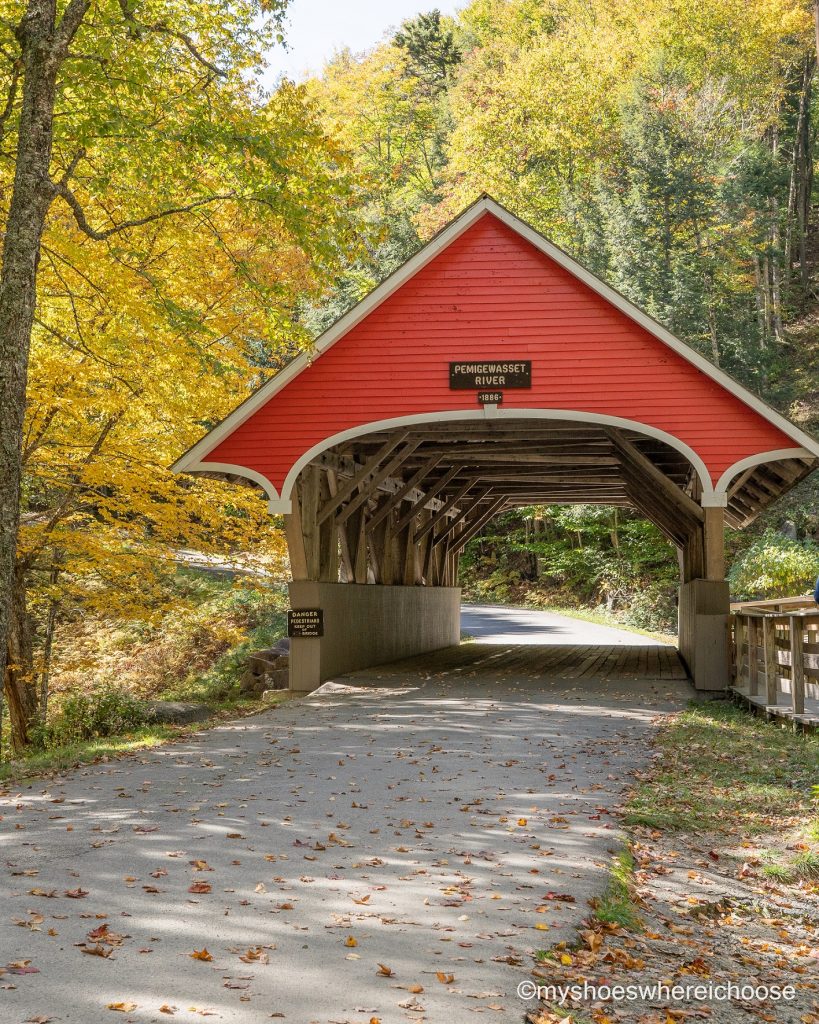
x=724, y=481
x=495, y=413
x=249, y=474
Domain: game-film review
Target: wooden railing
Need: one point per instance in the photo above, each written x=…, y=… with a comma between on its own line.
x=775, y=655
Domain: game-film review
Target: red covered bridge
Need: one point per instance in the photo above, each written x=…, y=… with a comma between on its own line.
x=493, y=371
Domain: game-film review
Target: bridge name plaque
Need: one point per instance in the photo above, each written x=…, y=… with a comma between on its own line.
x=506, y=373
x=305, y=623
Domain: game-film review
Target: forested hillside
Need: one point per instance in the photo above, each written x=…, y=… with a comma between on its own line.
x=200, y=231
x=670, y=147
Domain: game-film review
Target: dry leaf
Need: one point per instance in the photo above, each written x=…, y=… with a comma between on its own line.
x=350, y=941
x=445, y=979
x=122, y=1007
x=200, y=954
x=387, y=972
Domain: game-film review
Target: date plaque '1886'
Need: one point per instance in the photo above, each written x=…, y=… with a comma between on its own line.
x=305, y=622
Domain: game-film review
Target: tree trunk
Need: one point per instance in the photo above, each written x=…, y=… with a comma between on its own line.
x=21, y=692
x=43, y=45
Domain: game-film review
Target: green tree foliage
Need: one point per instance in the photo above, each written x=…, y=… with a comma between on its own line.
x=431, y=48
x=775, y=566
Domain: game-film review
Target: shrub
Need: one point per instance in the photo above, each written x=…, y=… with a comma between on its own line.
x=107, y=711
x=652, y=608
x=774, y=566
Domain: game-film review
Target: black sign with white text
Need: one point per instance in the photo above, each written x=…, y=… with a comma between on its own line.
x=305, y=622
x=506, y=373
x=490, y=397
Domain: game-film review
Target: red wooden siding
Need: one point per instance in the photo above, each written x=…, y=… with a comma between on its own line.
x=491, y=294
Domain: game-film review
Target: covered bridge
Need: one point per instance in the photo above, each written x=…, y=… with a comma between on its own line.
x=492, y=371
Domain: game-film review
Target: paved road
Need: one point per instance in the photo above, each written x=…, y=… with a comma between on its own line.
x=445, y=824
x=498, y=624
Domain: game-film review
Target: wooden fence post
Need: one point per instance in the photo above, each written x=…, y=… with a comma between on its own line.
x=753, y=656
x=797, y=665
x=771, y=665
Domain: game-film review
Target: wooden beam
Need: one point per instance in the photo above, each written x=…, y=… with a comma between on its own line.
x=363, y=474
x=328, y=539
x=387, y=506
x=469, y=531
x=632, y=458
x=375, y=480
x=450, y=526
x=419, y=505
x=667, y=525
x=447, y=507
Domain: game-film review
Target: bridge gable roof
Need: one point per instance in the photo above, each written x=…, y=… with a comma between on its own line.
x=489, y=287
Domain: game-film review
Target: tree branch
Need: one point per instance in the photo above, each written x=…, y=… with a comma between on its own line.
x=160, y=28
x=61, y=189
x=70, y=23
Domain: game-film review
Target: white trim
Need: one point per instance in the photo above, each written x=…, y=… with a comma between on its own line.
x=724, y=481
x=190, y=460
x=498, y=413
x=228, y=467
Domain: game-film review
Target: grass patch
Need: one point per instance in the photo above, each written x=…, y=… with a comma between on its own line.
x=616, y=905
x=806, y=864
x=723, y=769
x=60, y=759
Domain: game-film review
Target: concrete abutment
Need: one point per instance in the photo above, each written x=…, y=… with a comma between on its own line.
x=369, y=624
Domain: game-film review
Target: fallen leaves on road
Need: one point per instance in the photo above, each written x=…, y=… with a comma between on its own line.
x=200, y=954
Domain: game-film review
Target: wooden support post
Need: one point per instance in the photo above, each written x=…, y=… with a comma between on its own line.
x=693, y=557
x=797, y=664
x=328, y=541
x=310, y=489
x=399, y=542
x=295, y=540
x=357, y=522
x=411, y=569
x=771, y=665
x=381, y=551
x=714, y=543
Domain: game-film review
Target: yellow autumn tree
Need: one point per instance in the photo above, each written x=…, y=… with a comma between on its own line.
x=142, y=341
